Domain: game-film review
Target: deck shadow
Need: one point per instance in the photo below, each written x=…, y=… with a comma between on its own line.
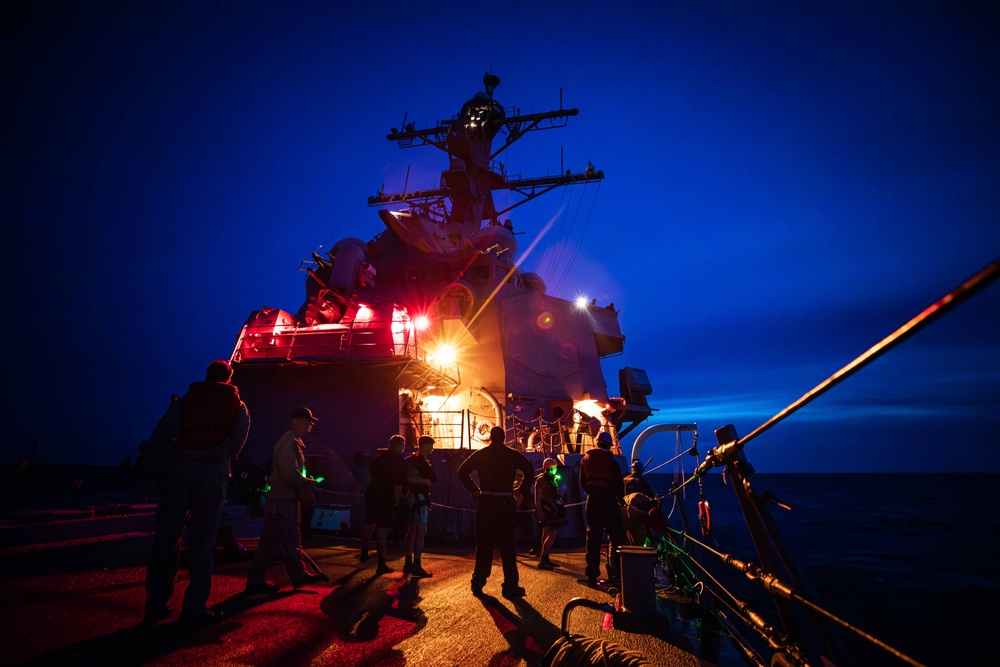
x=528, y=633
x=356, y=608
x=133, y=645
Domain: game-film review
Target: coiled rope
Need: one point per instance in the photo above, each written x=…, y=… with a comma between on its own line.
x=573, y=651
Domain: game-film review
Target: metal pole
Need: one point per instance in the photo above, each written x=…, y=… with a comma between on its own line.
x=928, y=315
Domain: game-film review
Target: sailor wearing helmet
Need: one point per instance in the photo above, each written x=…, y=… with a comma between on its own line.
x=601, y=479
x=636, y=483
x=549, y=509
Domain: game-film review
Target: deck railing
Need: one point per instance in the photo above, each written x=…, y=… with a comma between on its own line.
x=285, y=340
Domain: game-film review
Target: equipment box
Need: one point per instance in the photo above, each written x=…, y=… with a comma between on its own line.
x=331, y=518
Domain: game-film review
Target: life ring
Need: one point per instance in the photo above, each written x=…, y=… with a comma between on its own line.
x=481, y=431
x=705, y=517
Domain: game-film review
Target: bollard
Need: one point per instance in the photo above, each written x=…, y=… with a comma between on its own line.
x=638, y=589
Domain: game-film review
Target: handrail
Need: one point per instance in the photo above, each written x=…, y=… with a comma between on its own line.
x=375, y=338
x=774, y=585
x=729, y=453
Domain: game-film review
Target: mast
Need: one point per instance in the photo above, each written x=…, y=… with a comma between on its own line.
x=473, y=173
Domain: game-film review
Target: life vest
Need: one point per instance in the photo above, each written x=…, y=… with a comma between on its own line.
x=208, y=414
x=596, y=469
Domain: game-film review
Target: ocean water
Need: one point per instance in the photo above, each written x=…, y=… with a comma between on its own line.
x=913, y=559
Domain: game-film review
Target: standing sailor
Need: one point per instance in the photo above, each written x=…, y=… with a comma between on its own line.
x=420, y=476
x=496, y=467
x=601, y=479
x=386, y=475
x=281, y=536
x=201, y=433
x=549, y=509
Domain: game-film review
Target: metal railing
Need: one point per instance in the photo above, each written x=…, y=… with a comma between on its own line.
x=555, y=437
x=451, y=429
x=374, y=339
x=466, y=429
x=776, y=573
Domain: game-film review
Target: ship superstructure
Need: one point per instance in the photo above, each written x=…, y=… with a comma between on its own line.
x=432, y=327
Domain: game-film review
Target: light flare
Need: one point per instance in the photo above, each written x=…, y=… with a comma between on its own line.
x=445, y=356
x=364, y=314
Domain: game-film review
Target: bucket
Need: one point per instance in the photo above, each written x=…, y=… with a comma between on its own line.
x=638, y=589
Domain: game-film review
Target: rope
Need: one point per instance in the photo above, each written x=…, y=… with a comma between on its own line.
x=549, y=262
x=574, y=651
x=583, y=232
x=471, y=509
x=535, y=421
x=567, y=263
x=339, y=493
x=338, y=226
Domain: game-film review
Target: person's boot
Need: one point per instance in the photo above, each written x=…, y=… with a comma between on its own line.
x=546, y=564
x=363, y=556
x=407, y=565
x=383, y=567
x=417, y=570
x=512, y=591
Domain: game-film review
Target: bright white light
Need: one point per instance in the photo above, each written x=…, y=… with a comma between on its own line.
x=422, y=322
x=581, y=301
x=589, y=407
x=400, y=320
x=445, y=356
x=364, y=314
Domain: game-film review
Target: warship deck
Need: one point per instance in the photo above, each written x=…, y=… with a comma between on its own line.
x=92, y=617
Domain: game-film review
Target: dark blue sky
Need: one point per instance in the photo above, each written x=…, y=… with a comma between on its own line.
x=786, y=184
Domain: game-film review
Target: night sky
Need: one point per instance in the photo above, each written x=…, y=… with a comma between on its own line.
x=786, y=184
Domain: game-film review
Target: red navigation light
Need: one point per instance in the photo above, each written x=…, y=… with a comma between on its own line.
x=421, y=322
